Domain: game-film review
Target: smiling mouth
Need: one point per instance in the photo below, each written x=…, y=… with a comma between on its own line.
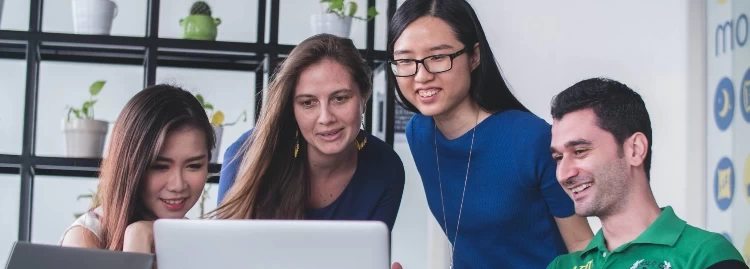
x=428, y=92
x=173, y=201
x=580, y=188
x=331, y=133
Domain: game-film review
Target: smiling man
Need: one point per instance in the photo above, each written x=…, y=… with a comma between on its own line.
x=601, y=139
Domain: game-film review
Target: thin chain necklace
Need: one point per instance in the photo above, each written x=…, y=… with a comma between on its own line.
x=442, y=203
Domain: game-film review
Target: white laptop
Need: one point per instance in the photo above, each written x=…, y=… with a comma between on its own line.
x=267, y=244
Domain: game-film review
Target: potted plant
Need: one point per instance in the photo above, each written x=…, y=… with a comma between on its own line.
x=85, y=136
x=199, y=24
x=93, y=17
x=336, y=19
x=217, y=121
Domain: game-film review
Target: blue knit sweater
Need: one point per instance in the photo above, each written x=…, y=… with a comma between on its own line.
x=512, y=194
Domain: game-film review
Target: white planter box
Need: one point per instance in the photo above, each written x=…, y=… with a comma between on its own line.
x=330, y=24
x=93, y=17
x=1, y=11
x=218, y=130
x=85, y=138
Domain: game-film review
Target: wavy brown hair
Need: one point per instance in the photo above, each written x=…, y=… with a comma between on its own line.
x=137, y=138
x=271, y=183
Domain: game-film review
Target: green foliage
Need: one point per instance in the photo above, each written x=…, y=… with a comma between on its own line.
x=86, y=111
x=217, y=117
x=91, y=195
x=342, y=8
x=200, y=8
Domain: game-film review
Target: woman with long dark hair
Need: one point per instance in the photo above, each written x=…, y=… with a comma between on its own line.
x=156, y=167
x=307, y=157
x=483, y=157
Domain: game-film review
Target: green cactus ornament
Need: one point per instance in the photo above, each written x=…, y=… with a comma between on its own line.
x=199, y=25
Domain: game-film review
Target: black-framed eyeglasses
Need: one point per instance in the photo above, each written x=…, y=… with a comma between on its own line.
x=433, y=64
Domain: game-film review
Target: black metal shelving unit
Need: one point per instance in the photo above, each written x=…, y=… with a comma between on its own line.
x=149, y=51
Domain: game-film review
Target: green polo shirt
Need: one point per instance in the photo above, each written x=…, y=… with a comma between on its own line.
x=668, y=243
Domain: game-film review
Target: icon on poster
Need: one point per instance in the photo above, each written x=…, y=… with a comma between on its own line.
x=724, y=104
x=724, y=183
x=746, y=179
x=745, y=95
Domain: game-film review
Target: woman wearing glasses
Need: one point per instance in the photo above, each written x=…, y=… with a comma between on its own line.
x=483, y=157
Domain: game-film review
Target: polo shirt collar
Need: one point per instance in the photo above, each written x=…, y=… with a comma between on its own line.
x=665, y=230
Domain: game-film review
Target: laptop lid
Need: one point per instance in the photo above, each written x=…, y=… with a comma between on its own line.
x=25, y=255
x=279, y=244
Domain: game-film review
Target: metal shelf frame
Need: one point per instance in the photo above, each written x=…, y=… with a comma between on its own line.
x=150, y=52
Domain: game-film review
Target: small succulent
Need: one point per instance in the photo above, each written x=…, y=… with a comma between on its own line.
x=347, y=8
x=200, y=8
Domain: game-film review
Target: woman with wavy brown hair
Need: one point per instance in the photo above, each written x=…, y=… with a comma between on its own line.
x=156, y=167
x=307, y=157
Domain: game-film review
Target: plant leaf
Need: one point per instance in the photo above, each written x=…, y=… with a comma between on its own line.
x=89, y=104
x=352, y=9
x=336, y=5
x=200, y=98
x=326, y=1
x=372, y=12
x=96, y=87
x=84, y=196
x=208, y=106
x=85, y=111
x=76, y=112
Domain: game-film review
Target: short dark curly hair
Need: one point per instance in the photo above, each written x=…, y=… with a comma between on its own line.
x=618, y=109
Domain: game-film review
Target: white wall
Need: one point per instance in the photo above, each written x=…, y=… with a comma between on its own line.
x=654, y=47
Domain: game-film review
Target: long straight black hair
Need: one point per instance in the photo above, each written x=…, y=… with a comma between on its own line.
x=488, y=87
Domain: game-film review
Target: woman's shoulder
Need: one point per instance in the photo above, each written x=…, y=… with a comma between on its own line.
x=381, y=160
x=519, y=124
x=90, y=220
x=231, y=154
x=525, y=119
x=241, y=140
x=381, y=151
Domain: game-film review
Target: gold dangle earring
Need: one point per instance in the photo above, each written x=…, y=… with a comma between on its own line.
x=360, y=137
x=296, y=144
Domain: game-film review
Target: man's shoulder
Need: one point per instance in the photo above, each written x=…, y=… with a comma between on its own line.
x=707, y=246
x=692, y=237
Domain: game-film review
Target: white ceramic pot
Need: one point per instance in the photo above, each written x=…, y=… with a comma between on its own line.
x=330, y=24
x=1, y=11
x=85, y=138
x=218, y=130
x=93, y=17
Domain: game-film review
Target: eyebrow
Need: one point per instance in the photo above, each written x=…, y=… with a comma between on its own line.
x=438, y=47
x=572, y=143
x=194, y=158
x=305, y=95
